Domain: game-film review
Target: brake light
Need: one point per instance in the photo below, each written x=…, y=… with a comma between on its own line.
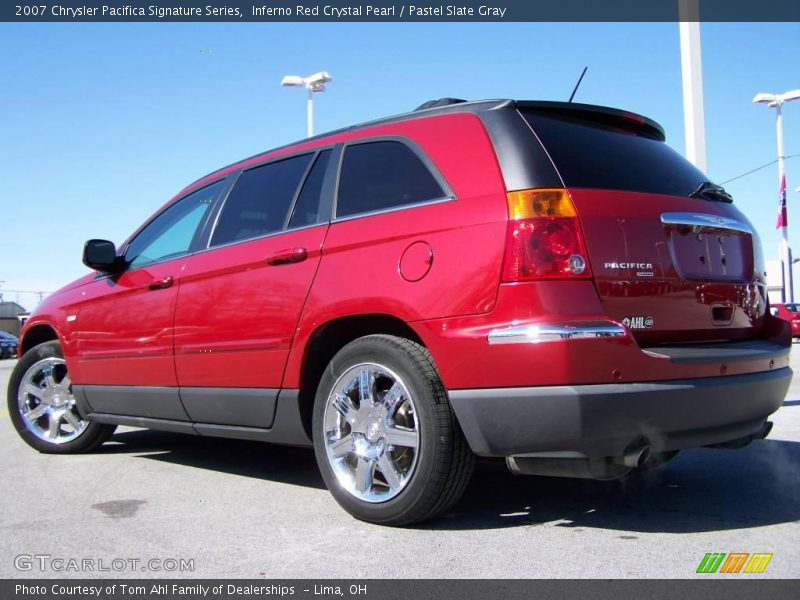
x=544, y=237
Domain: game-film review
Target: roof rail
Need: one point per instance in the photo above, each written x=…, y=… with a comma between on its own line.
x=439, y=102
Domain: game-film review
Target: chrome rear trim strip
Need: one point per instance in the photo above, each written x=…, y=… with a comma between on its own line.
x=554, y=332
x=700, y=221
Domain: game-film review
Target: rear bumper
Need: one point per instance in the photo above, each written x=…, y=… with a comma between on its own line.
x=605, y=419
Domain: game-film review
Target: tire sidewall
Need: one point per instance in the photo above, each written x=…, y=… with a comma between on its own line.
x=87, y=440
x=377, y=351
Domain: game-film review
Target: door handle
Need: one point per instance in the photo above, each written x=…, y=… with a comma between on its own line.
x=161, y=284
x=287, y=257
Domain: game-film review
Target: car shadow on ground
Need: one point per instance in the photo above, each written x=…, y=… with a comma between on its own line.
x=700, y=490
x=295, y=466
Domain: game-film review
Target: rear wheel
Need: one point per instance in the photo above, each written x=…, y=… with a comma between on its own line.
x=386, y=440
x=42, y=407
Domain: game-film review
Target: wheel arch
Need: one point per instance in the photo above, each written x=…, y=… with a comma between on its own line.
x=37, y=334
x=330, y=337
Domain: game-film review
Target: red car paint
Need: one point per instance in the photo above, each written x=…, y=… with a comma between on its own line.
x=230, y=319
x=790, y=313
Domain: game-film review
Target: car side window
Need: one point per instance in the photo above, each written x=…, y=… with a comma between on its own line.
x=306, y=209
x=260, y=200
x=170, y=234
x=381, y=175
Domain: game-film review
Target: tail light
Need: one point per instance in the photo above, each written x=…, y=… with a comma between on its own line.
x=544, y=238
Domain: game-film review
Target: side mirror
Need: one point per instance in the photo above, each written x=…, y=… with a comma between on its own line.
x=101, y=255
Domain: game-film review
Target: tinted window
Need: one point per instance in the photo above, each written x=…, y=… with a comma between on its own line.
x=381, y=175
x=306, y=209
x=170, y=234
x=591, y=155
x=260, y=201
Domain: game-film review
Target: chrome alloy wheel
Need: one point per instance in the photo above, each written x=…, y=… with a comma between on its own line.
x=46, y=403
x=372, y=435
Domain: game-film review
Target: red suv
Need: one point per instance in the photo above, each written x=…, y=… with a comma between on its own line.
x=540, y=281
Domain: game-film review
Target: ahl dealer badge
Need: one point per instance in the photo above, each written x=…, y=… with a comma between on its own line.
x=639, y=322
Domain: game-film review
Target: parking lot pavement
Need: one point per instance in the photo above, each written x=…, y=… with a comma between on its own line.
x=240, y=509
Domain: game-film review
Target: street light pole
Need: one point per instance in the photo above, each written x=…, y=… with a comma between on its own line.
x=786, y=249
x=692, y=78
x=776, y=101
x=310, y=113
x=313, y=83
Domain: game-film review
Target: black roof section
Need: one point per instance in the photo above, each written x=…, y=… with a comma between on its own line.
x=486, y=109
x=439, y=102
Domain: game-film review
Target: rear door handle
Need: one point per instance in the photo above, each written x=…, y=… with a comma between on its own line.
x=161, y=284
x=287, y=257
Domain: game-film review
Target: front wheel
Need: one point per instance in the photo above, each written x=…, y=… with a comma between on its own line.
x=386, y=440
x=42, y=407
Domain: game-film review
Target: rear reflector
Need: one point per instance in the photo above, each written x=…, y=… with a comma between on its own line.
x=544, y=237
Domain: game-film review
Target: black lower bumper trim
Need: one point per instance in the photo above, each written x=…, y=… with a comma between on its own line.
x=603, y=420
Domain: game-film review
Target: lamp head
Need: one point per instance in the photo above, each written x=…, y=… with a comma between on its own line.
x=292, y=81
x=764, y=98
x=320, y=78
x=790, y=95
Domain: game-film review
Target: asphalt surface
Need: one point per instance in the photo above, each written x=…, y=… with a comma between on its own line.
x=241, y=509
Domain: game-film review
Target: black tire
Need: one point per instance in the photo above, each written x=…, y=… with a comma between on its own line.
x=92, y=436
x=444, y=461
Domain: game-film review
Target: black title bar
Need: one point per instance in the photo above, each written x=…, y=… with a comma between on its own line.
x=390, y=11
x=405, y=589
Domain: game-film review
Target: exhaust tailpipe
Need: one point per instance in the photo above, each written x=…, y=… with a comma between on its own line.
x=635, y=458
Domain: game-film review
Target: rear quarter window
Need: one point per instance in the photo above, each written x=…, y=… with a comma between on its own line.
x=588, y=154
x=382, y=175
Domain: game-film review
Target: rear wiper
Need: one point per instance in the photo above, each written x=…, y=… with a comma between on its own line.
x=711, y=191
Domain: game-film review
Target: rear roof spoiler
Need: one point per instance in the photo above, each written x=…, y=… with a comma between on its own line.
x=601, y=115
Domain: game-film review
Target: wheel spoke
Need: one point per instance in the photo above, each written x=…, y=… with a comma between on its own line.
x=366, y=386
x=35, y=413
x=54, y=425
x=387, y=467
x=342, y=447
x=393, y=398
x=32, y=390
x=365, y=472
x=49, y=377
x=66, y=382
x=401, y=437
x=345, y=407
x=72, y=420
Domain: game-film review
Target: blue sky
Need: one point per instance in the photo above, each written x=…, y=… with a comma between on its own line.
x=102, y=123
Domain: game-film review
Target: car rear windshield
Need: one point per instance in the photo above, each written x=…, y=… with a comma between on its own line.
x=598, y=155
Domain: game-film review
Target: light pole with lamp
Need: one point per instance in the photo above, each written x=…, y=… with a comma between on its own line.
x=313, y=83
x=776, y=101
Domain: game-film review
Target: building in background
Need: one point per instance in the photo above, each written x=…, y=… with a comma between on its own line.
x=12, y=316
x=774, y=281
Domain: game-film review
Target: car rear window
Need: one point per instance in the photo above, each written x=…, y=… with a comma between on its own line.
x=306, y=208
x=260, y=200
x=590, y=154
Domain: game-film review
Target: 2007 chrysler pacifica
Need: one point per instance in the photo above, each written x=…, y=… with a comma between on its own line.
x=540, y=281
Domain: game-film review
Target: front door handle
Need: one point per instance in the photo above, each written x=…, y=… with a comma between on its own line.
x=161, y=284
x=287, y=257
